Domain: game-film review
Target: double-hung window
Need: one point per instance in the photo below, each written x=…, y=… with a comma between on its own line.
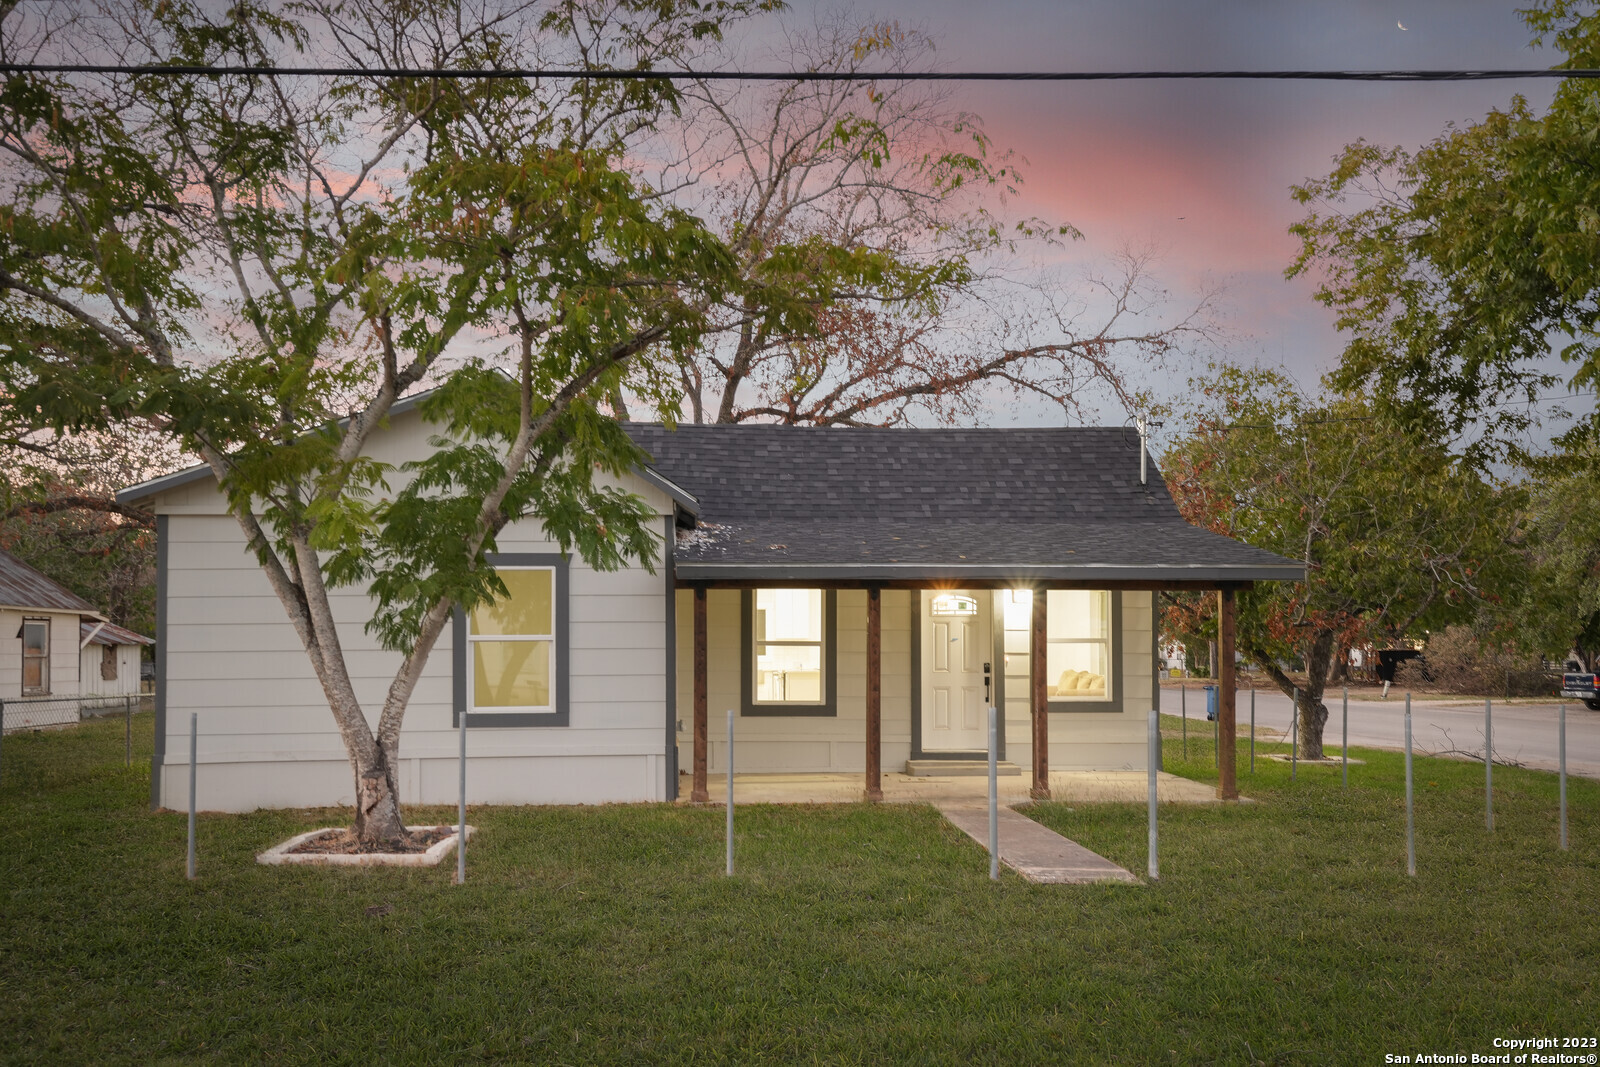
x=1078, y=653
x=788, y=651
x=35, y=656
x=510, y=654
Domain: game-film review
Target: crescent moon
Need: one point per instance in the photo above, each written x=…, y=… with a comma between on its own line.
x=1401, y=25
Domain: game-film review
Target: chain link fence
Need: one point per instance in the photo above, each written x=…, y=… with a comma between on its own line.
x=18, y=714
x=27, y=714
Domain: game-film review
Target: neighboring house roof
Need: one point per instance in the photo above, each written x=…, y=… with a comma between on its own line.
x=23, y=587
x=794, y=502
x=109, y=633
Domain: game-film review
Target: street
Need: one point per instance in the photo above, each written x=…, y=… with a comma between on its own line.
x=1523, y=733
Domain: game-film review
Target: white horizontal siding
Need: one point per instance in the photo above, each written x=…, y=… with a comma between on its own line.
x=233, y=658
x=572, y=779
x=126, y=681
x=64, y=662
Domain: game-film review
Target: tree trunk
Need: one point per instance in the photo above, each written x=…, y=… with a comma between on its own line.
x=1309, y=708
x=377, y=799
x=1312, y=711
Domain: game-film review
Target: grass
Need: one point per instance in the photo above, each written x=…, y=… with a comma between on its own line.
x=1284, y=931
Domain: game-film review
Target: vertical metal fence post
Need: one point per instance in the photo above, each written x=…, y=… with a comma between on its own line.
x=1344, y=742
x=194, y=748
x=1561, y=746
x=730, y=792
x=1411, y=825
x=1294, y=735
x=994, y=794
x=127, y=731
x=2, y=729
x=1488, y=762
x=1153, y=761
x=1252, y=729
x=461, y=807
x=1183, y=707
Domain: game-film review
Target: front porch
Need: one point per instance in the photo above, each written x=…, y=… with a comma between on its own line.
x=881, y=652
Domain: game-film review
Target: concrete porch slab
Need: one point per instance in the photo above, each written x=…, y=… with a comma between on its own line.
x=1081, y=787
x=1036, y=852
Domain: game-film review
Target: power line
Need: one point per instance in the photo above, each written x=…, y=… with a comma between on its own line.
x=1369, y=418
x=557, y=73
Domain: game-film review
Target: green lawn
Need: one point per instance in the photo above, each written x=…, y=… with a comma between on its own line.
x=1283, y=931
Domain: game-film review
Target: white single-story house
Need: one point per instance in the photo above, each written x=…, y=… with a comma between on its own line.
x=55, y=644
x=856, y=596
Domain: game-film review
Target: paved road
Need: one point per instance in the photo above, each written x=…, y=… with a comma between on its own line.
x=1524, y=733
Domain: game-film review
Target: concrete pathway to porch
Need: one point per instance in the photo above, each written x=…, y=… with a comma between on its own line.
x=1036, y=852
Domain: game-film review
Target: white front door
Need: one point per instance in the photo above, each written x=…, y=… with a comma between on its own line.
x=956, y=646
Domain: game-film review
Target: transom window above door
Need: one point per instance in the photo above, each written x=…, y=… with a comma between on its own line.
x=953, y=604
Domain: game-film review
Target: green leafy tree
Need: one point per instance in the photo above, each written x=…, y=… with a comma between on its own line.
x=1398, y=536
x=1558, y=610
x=259, y=267
x=1458, y=268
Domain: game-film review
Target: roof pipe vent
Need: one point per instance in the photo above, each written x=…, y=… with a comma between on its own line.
x=1144, y=451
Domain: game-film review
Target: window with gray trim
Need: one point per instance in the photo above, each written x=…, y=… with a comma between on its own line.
x=510, y=658
x=1083, y=647
x=789, y=651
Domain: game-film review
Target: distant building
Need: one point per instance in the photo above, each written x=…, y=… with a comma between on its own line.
x=53, y=643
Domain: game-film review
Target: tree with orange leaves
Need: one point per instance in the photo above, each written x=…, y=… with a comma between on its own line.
x=1398, y=536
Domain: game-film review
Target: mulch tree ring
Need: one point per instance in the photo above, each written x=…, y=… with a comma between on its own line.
x=336, y=846
x=1324, y=761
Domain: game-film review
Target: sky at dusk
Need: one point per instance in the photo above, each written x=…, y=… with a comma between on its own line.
x=1202, y=170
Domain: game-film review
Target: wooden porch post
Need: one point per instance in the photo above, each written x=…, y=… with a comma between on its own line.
x=1227, y=750
x=1040, y=701
x=874, y=695
x=699, y=794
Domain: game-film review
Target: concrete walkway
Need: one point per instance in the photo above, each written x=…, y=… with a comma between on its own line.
x=1036, y=852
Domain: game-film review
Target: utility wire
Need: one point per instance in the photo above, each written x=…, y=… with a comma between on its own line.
x=185, y=70
x=1369, y=418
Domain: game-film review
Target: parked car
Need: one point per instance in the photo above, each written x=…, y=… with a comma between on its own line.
x=1584, y=685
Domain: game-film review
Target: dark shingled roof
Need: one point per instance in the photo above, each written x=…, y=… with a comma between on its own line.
x=23, y=587
x=821, y=502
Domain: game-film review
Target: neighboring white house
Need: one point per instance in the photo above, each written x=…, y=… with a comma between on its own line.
x=53, y=643
x=108, y=660
x=857, y=596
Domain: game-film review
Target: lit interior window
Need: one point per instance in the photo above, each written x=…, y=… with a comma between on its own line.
x=788, y=646
x=513, y=644
x=1078, y=644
